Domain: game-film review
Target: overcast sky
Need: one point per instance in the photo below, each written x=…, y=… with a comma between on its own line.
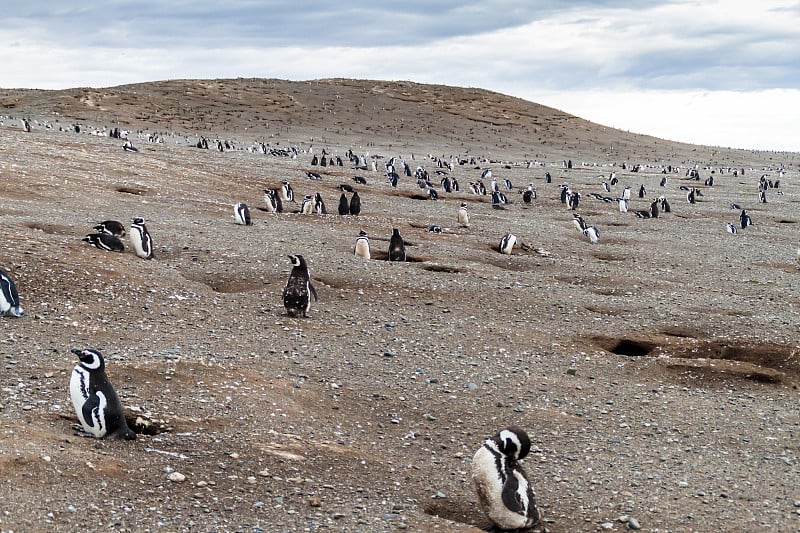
x=723, y=72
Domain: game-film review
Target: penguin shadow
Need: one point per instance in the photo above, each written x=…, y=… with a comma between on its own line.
x=468, y=513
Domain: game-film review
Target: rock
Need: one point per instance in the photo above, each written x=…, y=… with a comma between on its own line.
x=633, y=524
x=176, y=477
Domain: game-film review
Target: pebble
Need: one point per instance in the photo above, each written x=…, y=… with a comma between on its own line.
x=633, y=524
x=176, y=477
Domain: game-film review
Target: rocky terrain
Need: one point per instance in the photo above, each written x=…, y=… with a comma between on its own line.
x=655, y=371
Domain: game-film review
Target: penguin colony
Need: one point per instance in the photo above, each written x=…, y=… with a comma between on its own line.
x=501, y=485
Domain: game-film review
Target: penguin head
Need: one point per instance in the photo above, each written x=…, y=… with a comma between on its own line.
x=138, y=220
x=513, y=442
x=463, y=205
x=297, y=260
x=91, y=360
x=362, y=233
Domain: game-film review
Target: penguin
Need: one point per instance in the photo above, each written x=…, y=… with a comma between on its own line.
x=574, y=200
x=486, y=174
x=744, y=219
x=360, y=180
x=105, y=241
x=642, y=191
x=507, y=243
x=129, y=147
x=298, y=291
x=731, y=228
x=397, y=248
x=606, y=188
x=500, y=483
x=463, y=215
x=307, y=206
x=434, y=228
x=241, y=214
x=361, y=249
x=626, y=193
x=432, y=194
x=507, y=184
x=273, y=201
x=690, y=196
x=345, y=187
x=581, y=224
x=663, y=182
x=665, y=207
x=623, y=205
x=319, y=205
x=344, y=206
x=112, y=227
x=9, y=297
x=592, y=233
x=762, y=196
x=96, y=403
x=140, y=239
x=286, y=192
x=355, y=204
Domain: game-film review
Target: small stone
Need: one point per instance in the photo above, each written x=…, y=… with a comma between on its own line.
x=440, y=495
x=797, y=503
x=176, y=477
x=472, y=386
x=314, y=502
x=633, y=524
x=572, y=371
x=264, y=473
x=607, y=525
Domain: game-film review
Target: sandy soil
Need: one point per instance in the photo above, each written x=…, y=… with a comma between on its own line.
x=656, y=371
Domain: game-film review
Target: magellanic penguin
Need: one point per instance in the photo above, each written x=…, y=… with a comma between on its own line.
x=140, y=239
x=241, y=214
x=507, y=243
x=9, y=297
x=105, y=241
x=593, y=234
x=113, y=227
x=463, y=215
x=273, y=201
x=355, y=204
x=286, y=192
x=744, y=219
x=319, y=205
x=307, y=206
x=501, y=486
x=361, y=249
x=397, y=247
x=344, y=205
x=731, y=228
x=96, y=403
x=298, y=291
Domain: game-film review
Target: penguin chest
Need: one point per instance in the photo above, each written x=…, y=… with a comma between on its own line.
x=140, y=241
x=296, y=296
x=90, y=404
x=503, y=492
x=362, y=248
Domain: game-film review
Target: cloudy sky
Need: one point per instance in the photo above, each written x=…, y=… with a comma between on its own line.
x=724, y=72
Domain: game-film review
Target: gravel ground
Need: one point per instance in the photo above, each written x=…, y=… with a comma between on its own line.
x=656, y=371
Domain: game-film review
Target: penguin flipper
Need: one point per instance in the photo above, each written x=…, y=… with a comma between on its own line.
x=313, y=291
x=88, y=409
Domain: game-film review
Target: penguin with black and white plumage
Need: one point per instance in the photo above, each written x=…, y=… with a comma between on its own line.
x=691, y=195
x=319, y=204
x=642, y=191
x=626, y=193
x=762, y=196
x=565, y=193
x=140, y=239
x=361, y=248
x=529, y=194
x=355, y=204
x=622, y=203
x=486, y=174
x=432, y=194
x=129, y=147
x=592, y=234
x=241, y=214
x=273, y=201
x=574, y=200
x=507, y=243
x=286, y=192
x=665, y=207
x=501, y=485
x=744, y=219
x=731, y=228
x=581, y=224
x=507, y=184
x=9, y=297
x=95, y=400
x=463, y=215
x=344, y=205
x=499, y=200
x=606, y=188
x=397, y=247
x=299, y=289
x=307, y=206
x=663, y=182
x=112, y=227
x=105, y=241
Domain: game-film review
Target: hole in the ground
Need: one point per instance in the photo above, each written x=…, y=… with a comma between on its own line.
x=132, y=190
x=52, y=229
x=633, y=348
x=787, y=221
x=443, y=268
x=458, y=511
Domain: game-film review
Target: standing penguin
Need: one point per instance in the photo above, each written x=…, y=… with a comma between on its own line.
x=307, y=206
x=319, y=205
x=273, y=201
x=344, y=206
x=593, y=234
x=241, y=214
x=96, y=403
x=501, y=485
x=9, y=297
x=361, y=249
x=642, y=191
x=507, y=243
x=355, y=204
x=463, y=215
x=298, y=291
x=140, y=239
x=286, y=192
x=397, y=248
x=744, y=219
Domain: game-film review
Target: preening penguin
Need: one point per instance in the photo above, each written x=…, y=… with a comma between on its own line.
x=397, y=248
x=463, y=215
x=9, y=297
x=298, y=291
x=96, y=402
x=501, y=485
x=361, y=249
x=507, y=243
x=113, y=227
x=105, y=241
x=140, y=239
x=241, y=214
x=731, y=228
x=593, y=234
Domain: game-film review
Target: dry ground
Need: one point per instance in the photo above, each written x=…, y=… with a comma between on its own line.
x=656, y=372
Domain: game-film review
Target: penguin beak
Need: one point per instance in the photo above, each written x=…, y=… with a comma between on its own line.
x=76, y=351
